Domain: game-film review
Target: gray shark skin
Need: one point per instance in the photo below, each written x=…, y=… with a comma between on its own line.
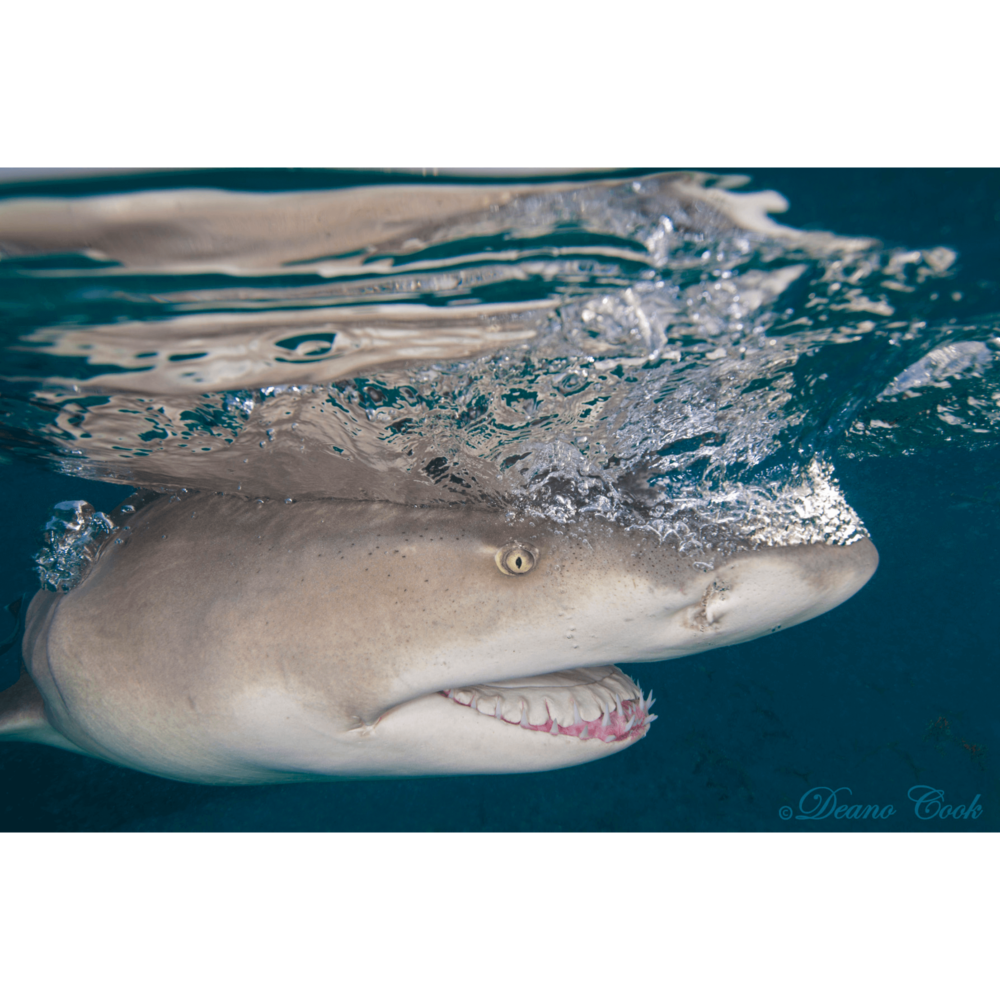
x=227, y=641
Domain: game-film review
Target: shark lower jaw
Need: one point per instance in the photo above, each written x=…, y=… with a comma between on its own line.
x=583, y=703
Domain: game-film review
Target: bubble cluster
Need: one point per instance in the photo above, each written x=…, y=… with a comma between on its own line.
x=72, y=538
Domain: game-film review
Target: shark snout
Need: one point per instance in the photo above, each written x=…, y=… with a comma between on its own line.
x=759, y=592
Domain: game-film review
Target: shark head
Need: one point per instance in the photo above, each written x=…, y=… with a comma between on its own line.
x=222, y=640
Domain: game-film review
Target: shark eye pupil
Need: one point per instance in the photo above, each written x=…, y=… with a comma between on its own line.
x=514, y=560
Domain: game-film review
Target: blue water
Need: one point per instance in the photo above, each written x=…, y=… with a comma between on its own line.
x=895, y=690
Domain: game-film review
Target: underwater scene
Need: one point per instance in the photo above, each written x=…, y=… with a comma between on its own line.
x=360, y=500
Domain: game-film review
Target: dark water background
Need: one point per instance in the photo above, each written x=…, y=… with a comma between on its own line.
x=896, y=688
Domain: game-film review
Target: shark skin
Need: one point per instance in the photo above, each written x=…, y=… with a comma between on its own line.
x=227, y=641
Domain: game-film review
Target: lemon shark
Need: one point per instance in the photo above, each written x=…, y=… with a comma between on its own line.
x=227, y=641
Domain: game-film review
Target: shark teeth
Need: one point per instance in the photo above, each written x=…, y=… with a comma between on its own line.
x=587, y=703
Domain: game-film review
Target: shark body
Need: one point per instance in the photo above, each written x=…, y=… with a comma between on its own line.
x=227, y=641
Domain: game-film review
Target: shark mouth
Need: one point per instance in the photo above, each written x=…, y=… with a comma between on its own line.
x=588, y=703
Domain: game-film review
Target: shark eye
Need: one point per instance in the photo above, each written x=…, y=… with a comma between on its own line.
x=513, y=560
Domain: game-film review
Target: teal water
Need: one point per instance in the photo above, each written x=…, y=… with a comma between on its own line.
x=894, y=689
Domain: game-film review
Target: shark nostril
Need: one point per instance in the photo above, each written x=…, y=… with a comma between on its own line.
x=514, y=560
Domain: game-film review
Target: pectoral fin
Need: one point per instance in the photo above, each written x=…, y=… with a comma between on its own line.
x=22, y=716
